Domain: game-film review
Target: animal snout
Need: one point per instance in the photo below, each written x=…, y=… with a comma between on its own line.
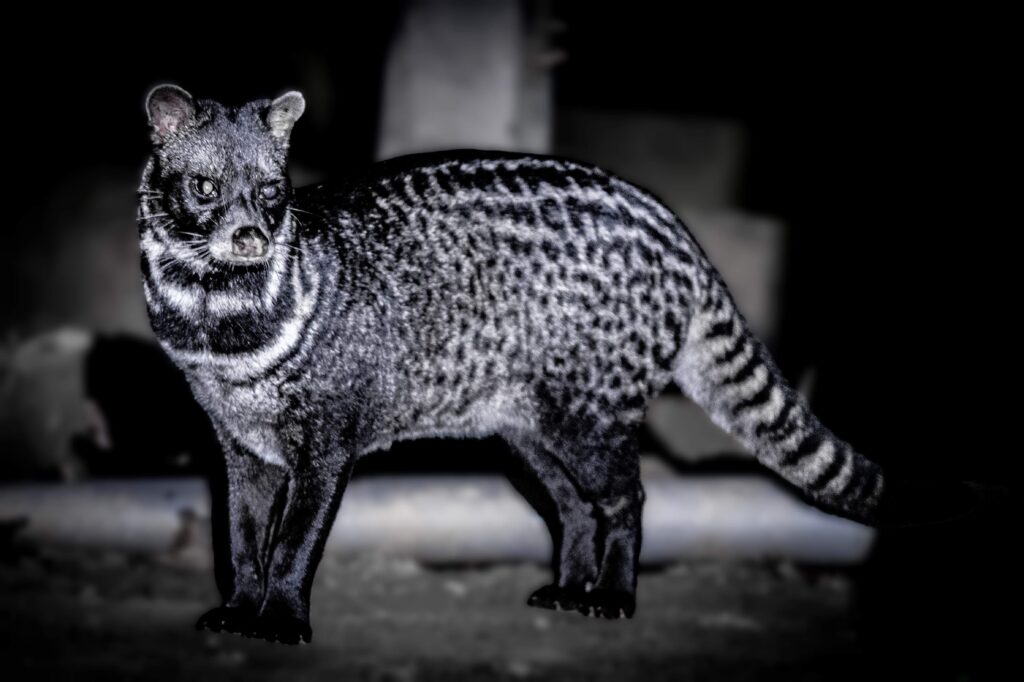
x=249, y=242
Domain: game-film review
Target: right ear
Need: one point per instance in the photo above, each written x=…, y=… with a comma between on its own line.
x=169, y=109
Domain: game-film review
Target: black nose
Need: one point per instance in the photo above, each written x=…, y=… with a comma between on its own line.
x=249, y=242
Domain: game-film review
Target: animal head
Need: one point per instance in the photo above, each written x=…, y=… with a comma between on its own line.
x=217, y=184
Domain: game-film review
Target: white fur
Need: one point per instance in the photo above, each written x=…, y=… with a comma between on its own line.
x=241, y=366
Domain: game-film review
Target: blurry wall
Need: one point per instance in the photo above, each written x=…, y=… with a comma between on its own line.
x=877, y=142
x=467, y=75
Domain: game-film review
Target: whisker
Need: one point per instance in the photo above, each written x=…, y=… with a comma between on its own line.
x=292, y=249
x=163, y=265
x=159, y=225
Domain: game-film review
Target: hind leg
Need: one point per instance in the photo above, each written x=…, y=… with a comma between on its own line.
x=601, y=473
x=573, y=526
x=609, y=475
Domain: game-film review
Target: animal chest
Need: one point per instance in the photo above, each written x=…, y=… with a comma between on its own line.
x=248, y=413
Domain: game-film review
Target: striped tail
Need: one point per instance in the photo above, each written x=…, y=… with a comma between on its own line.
x=727, y=371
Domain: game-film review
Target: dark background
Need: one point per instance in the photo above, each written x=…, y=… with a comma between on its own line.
x=887, y=142
x=883, y=140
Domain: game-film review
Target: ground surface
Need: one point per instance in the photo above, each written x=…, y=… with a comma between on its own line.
x=72, y=615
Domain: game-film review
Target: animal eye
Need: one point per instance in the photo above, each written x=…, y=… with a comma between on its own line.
x=204, y=188
x=270, y=192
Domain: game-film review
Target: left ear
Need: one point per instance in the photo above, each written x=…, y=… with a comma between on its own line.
x=284, y=112
x=169, y=109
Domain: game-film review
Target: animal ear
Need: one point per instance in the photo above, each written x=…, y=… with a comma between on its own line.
x=284, y=112
x=169, y=109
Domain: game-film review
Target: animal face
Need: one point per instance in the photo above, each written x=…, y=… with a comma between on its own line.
x=219, y=174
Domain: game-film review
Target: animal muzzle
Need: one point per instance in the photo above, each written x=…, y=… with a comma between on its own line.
x=241, y=244
x=249, y=242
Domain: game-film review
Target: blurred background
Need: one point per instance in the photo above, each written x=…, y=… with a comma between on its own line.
x=847, y=171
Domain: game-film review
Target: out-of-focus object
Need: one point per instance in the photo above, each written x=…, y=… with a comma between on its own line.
x=467, y=75
x=74, y=403
x=43, y=406
x=154, y=424
x=459, y=519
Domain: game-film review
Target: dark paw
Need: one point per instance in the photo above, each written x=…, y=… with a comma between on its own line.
x=557, y=598
x=271, y=627
x=226, y=619
x=280, y=628
x=604, y=603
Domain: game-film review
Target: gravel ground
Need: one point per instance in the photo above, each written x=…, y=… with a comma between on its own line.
x=76, y=615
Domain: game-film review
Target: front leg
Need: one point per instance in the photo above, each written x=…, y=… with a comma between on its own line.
x=252, y=501
x=311, y=503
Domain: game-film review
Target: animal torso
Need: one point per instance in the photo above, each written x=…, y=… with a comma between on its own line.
x=452, y=293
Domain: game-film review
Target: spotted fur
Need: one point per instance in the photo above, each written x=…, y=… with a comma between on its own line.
x=456, y=294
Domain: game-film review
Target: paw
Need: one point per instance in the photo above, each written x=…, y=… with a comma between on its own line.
x=283, y=628
x=557, y=598
x=605, y=603
x=227, y=619
x=242, y=621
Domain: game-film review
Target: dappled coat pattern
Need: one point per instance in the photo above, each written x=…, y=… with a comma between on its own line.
x=455, y=294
